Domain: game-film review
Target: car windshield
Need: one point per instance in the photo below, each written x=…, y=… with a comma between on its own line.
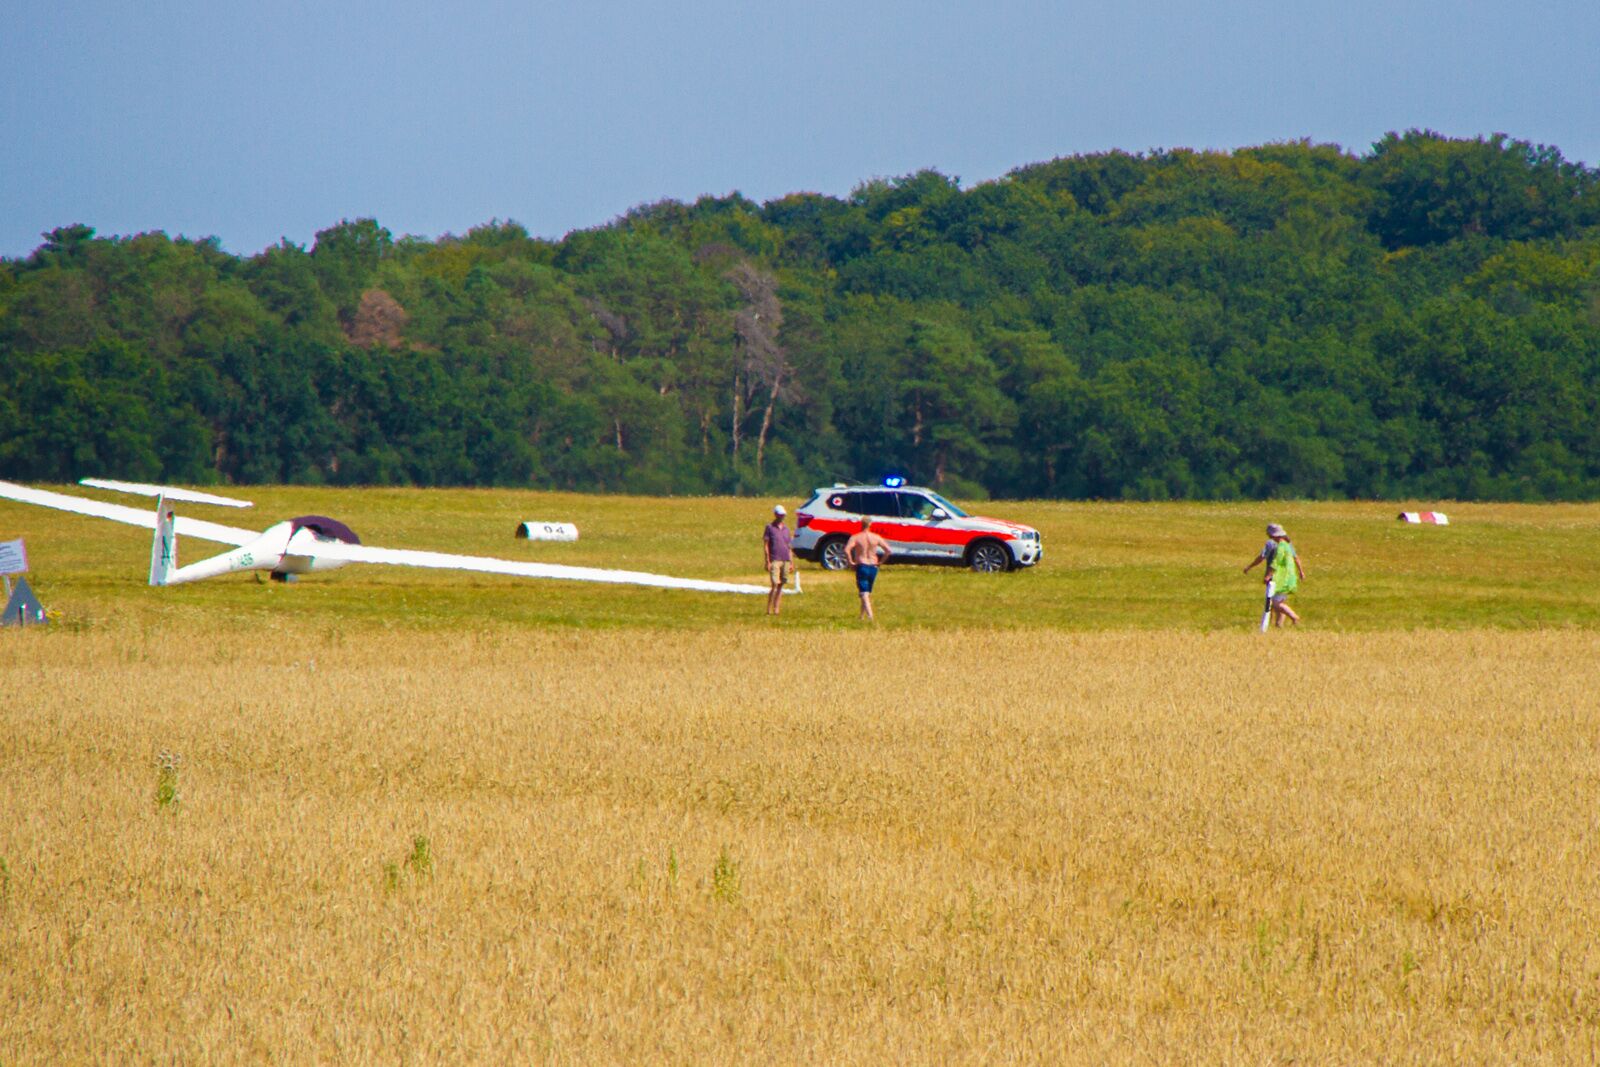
x=943, y=503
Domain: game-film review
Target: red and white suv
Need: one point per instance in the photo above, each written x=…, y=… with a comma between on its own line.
x=919, y=524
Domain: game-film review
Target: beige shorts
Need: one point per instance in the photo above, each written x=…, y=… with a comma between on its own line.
x=780, y=571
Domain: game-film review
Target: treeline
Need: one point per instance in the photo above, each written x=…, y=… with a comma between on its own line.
x=1289, y=320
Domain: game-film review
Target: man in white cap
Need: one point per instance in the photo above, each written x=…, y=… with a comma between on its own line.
x=777, y=545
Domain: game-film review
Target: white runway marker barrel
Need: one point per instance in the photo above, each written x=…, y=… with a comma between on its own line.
x=547, y=531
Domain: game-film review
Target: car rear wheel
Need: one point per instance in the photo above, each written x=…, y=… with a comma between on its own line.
x=831, y=554
x=989, y=557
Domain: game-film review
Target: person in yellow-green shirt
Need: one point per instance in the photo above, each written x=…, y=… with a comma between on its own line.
x=1284, y=572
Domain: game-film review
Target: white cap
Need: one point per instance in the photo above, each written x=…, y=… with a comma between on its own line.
x=777, y=509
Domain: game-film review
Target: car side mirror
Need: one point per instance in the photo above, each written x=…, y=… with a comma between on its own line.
x=939, y=513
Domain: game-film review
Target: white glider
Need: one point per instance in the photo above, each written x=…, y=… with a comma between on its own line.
x=305, y=545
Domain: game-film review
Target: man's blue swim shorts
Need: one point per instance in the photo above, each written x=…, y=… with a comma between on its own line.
x=866, y=574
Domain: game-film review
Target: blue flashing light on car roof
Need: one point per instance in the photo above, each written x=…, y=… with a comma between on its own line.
x=894, y=481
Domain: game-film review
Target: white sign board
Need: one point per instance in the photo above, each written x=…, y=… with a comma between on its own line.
x=13, y=557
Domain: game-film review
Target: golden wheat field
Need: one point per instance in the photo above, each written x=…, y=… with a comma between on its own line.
x=381, y=816
x=727, y=846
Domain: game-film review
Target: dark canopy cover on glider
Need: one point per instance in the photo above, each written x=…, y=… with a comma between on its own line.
x=323, y=526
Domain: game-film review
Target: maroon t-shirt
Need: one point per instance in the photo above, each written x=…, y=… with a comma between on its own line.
x=780, y=542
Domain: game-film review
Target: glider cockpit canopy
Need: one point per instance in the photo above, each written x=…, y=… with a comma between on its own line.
x=325, y=528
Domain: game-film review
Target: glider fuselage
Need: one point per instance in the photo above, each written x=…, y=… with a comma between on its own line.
x=283, y=549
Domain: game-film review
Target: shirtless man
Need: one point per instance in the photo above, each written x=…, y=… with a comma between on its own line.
x=865, y=551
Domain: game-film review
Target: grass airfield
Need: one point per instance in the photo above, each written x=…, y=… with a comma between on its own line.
x=1106, y=567
x=1077, y=814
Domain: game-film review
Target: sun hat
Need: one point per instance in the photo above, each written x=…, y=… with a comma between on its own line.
x=1274, y=530
x=777, y=509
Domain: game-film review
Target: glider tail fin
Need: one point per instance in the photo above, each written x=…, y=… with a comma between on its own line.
x=164, y=545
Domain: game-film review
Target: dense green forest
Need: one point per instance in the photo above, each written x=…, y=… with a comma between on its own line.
x=1420, y=320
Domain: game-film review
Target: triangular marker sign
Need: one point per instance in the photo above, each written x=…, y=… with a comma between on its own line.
x=23, y=609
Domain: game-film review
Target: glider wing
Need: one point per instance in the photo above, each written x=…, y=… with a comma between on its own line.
x=205, y=531
x=145, y=489
x=520, y=568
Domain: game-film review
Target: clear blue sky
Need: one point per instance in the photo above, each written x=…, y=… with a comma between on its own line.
x=254, y=122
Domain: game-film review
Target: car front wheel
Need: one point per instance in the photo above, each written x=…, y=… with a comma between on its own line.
x=989, y=557
x=831, y=554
